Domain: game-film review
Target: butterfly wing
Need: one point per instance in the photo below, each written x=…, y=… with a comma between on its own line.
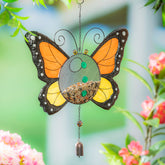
x=48, y=58
x=108, y=56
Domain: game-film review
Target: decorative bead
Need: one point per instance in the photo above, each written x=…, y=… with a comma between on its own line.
x=80, y=123
x=84, y=93
x=84, y=65
x=85, y=79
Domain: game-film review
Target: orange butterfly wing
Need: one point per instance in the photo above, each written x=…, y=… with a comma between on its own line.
x=109, y=53
x=53, y=59
x=47, y=56
x=105, y=56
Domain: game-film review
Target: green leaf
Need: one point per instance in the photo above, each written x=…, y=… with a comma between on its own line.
x=112, y=159
x=17, y=30
x=10, y=1
x=67, y=3
x=163, y=14
x=156, y=162
x=13, y=22
x=159, y=101
x=158, y=129
x=128, y=139
x=160, y=162
x=112, y=148
x=149, y=2
x=113, y=154
x=152, y=122
x=162, y=82
x=139, y=65
x=13, y=9
x=156, y=148
x=4, y=18
x=157, y=5
x=162, y=91
x=0, y=6
x=140, y=78
x=42, y=3
x=158, y=134
x=131, y=117
x=19, y=17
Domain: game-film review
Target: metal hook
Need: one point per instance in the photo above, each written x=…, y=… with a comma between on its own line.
x=80, y=2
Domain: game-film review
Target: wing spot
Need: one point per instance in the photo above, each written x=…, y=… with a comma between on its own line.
x=117, y=33
x=39, y=37
x=32, y=38
x=40, y=60
x=123, y=41
x=117, y=69
x=43, y=95
x=45, y=103
x=109, y=104
x=115, y=97
x=121, y=48
x=124, y=33
x=118, y=62
x=42, y=74
x=119, y=56
x=34, y=45
x=116, y=89
x=51, y=109
x=42, y=67
x=36, y=53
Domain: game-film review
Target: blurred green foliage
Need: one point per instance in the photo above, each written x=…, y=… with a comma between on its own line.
x=157, y=5
x=19, y=107
x=10, y=15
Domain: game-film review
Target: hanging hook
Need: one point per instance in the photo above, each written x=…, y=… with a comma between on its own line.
x=80, y=2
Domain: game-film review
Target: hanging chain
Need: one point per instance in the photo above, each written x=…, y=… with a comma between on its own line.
x=79, y=145
x=79, y=113
x=80, y=5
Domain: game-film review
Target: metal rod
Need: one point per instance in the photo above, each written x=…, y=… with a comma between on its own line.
x=79, y=27
x=79, y=113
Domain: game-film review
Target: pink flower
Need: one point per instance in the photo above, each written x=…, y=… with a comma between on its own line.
x=157, y=62
x=131, y=161
x=30, y=156
x=8, y=155
x=147, y=163
x=13, y=151
x=124, y=153
x=14, y=140
x=133, y=155
x=147, y=106
x=160, y=114
x=135, y=148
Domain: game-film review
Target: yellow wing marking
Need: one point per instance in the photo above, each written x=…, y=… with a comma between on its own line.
x=104, y=92
x=54, y=95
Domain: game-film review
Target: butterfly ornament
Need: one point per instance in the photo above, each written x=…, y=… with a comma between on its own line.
x=80, y=77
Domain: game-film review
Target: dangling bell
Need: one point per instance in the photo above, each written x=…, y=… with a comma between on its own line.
x=79, y=149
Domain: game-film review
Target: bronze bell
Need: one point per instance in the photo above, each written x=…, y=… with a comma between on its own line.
x=79, y=149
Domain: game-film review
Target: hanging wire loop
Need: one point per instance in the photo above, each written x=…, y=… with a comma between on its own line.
x=80, y=2
x=59, y=38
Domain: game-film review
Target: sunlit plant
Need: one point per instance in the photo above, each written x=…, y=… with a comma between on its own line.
x=10, y=15
x=152, y=117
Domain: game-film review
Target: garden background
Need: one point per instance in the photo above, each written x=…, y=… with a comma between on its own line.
x=56, y=135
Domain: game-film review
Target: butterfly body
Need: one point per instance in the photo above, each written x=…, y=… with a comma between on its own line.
x=79, y=78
